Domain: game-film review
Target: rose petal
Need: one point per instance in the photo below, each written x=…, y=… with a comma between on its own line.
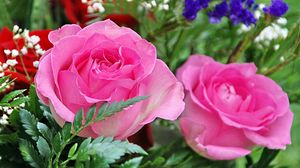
x=277, y=136
x=64, y=31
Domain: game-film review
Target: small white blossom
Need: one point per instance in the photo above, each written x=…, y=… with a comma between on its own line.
x=11, y=62
x=7, y=52
x=29, y=45
x=282, y=21
x=14, y=53
x=22, y=105
x=34, y=39
x=15, y=28
x=36, y=64
x=37, y=47
x=16, y=36
x=9, y=111
x=4, y=65
x=24, y=50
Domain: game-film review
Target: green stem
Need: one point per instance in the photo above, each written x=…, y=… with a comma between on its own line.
x=169, y=26
x=172, y=59
x=266, y=158
x=244, y=44
x=281, y=65
x=240, y=48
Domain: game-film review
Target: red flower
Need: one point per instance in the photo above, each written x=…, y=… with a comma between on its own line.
x=23, y=72
x=77, y=12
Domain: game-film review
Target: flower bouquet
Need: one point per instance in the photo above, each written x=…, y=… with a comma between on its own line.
x=149, y=83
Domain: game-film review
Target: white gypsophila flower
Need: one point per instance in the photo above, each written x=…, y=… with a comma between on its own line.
x=11, y=62
x=14, y=53
x=15, y=28
x=272, y=32
x=276, y=46
x=9, y=111
x=4, y=65
x=282, y=21
x=34, y=39
x=24, y=50
x=2, y=74
x=36, y=64
x=7, y=52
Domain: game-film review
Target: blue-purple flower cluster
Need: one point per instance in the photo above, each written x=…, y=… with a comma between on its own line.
x=238, y=11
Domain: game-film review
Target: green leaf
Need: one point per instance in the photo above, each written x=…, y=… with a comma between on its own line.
x=105, y=151
x=132, y=163
x=66, y=131
x=78, y=120
x=266, y=158
x=177, y=158
x=98, y=161
x=30, y=154
x=109, y=110
x=57, y=143
x=8, y=97
x=5, y=19
x=43, y=147
x=38, y=14
x=104, y=147
x=45, y=131
x=8, y=138
x=29, y=122
x=82, y=154
x=72, y=150
x=89, y=115
x=4, y=81
x=33, y=104
x=18, y=101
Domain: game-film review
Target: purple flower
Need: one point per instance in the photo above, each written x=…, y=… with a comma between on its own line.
x=220, y=11
x=277, y=8
x=192, y=7
x=239, y=14
x=249, y=3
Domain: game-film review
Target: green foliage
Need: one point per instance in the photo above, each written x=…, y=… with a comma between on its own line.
x=178, y=155
x=132, y=163
x=29, y=123
x=30, y=154
x=102, y=147
x=8, y=138
x=14, y=98
x=45, y=145
x=266, y=158
x=5, y=19
x=109, y=110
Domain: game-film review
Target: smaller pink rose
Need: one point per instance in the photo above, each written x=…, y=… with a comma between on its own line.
x=230, y=109
x=105, y=63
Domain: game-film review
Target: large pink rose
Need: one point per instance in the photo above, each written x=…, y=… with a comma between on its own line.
x=104, y=63
x=230, y=109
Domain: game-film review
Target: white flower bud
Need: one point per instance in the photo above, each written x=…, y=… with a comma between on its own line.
x=7, y=52
x=11, y=62
x=16, y=28
x=14, y=53
x=36, y=64
x=24, y=50
x=4, y=65
x=34, y=39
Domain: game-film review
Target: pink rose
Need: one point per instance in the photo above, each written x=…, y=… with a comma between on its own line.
x=104, y=62
x=230, y=109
